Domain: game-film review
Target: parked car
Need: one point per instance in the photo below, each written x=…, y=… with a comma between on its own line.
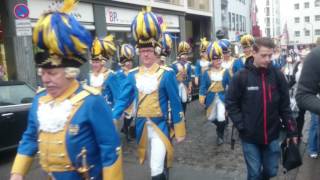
x=15, y=101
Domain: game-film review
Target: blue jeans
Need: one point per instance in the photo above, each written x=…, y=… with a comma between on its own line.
x=313, y=134
x=262, y=160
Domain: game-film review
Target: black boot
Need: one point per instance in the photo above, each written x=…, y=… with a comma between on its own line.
x=159, y=177
x=220, y=132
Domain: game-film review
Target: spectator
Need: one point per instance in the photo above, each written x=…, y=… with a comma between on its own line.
x=308, y=86
x=258, y=119
x=313, y=144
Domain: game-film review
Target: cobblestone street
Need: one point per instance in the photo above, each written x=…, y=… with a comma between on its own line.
x=197, y=158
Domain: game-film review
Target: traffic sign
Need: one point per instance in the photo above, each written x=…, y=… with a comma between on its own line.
x=21, y=11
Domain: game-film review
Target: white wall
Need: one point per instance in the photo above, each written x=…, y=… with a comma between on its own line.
x=275, y=22
x=289, y=13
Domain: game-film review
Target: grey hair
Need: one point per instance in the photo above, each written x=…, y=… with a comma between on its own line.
x=72, y=72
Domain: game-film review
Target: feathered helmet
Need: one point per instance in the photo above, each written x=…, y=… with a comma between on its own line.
x=183, y=48
x=203, y=44
x=166, y=44
x=225, y=45
x=146, y=29
x=247, y=40
x=214, y=51
x=103, y=49
x=62, y=40
x=126, y=53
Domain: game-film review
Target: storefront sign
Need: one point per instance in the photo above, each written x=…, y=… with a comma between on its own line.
x=21, y=11
x=120, y=16
x=83, y=12
x=23, y=27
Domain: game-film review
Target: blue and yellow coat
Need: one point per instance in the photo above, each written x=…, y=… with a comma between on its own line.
x=110, y=89
x=199, y=70
x=210, y=89
x=181, y=69
x=89, y=127
x=239, y=64
x=154, y=108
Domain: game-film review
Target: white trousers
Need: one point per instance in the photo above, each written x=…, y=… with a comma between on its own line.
x=157, y=151
x=217, y=110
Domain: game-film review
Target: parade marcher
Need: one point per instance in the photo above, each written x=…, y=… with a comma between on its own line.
x=70, y=127
x=227, y=60
x=101, y=77
x=202, y=64
x=278, y=59
x=183, y=70
x=127, y=54
x=212, y=90
x=257, y=97
x=150, y=87
x=246, y=43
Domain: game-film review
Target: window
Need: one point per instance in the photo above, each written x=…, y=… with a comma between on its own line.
x=268, y=3
x=268, y=32
x=307, y=32
x=297, y=33
x=296, y=6
x=230, y=20
x=240, y=23
x=317, y=32
x=317, y=3
x=307, y=19
x=237, y=20
x=317, y=17
x=306, y=5
x=244, y=24
x=296, y=19
x=233, y=22
x=267, y=11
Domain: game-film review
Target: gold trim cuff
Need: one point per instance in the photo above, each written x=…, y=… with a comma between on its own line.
x=114, y=172
x=180, y=129
x=22, y=164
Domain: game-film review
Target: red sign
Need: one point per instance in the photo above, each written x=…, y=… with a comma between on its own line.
x=21, y=11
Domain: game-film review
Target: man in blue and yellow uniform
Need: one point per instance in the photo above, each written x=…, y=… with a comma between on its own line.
x=246, y=43
x=150, y=87
x=183, y=70
x=212, y=90
x=127, y=54
x=101, y=77
x=203, y=63
x=70, y=127
x=227, y=59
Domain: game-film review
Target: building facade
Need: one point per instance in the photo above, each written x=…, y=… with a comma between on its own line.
x=303, y=22
x=269, y=18
x=186, y=20
x=234, y=17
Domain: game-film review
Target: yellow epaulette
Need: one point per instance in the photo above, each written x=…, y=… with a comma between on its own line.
x=91, y=90
x=40, y=90
x=134, y=69
x=166, y=68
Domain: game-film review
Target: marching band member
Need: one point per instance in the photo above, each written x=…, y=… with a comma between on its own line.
x=212, y=90
x=101, y=77
x=246, y=43
x=69, y=126
x=202, y=64
x=151, y=87
x=183, y=70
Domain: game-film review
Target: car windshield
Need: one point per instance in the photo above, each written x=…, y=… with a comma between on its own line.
x=15, y=94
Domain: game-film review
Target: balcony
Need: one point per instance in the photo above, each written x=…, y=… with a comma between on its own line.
x=201, y=5
x=174, y=2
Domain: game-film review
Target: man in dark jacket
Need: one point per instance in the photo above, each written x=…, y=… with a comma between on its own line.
x=309, y=83
x=257, y=98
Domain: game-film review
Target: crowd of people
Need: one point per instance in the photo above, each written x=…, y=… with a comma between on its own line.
x=73, y=125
